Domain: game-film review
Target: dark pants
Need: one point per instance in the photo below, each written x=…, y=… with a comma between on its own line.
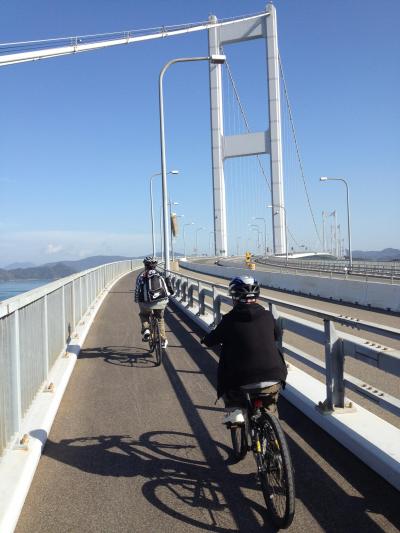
x=268, y=395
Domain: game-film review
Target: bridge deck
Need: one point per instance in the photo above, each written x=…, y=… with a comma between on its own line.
x=140, y=448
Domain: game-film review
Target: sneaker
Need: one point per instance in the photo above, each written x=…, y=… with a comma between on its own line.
x=234, y=417
x=146, y=335
x=164, y=343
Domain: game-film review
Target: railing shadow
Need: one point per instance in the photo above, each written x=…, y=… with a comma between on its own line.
x=128, y=356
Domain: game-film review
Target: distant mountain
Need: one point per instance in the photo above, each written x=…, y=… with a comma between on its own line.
x=19, y=265
x=60, y=269
x=43, y=272
x=90, y=262
x=52, y=271
x=388, y=254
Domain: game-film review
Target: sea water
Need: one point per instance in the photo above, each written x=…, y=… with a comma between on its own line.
x=8, y=289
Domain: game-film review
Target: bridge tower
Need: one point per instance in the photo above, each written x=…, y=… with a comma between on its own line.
x=266, y=142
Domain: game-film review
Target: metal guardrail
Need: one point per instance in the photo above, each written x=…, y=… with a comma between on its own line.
x=35, y=329
x=390, y=270
x=194, y=293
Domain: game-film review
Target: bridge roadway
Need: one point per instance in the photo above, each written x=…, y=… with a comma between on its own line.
x=138, y=448
x=371, y=375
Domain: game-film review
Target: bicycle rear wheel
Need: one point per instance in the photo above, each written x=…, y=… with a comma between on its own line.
x=157, y=342
x=276, y=472
x=239, y=441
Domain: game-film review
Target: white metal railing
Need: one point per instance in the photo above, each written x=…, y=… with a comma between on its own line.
x=206, y=300
x=386, y=270
x=35, y=328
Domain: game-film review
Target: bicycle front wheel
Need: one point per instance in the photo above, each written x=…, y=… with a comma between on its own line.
x=276, y=472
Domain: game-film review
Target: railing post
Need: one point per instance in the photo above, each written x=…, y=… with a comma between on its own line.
x=16, y=376
x=73, y=306
x=334, y=363
x=279, y=321
x=45, y=335
x=64, y=332
x=191, y=295
x=217, y=308
x=200, y=290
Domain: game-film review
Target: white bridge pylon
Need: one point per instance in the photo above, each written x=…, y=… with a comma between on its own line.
x=262, y=25
x=246, y=144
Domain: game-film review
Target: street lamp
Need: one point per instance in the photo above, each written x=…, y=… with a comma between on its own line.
x=238, y=239
x=257, y=228
x=152, y=208
x=284, y=210
x=265, y=232
x=215, y=59
x=197, y=232
x=210, y=242
x=184, y=241
x=324, y=178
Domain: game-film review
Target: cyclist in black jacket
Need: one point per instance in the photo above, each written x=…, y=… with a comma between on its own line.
x=250, y=359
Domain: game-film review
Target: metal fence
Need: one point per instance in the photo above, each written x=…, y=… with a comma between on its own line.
x=387, y=270
x=35, y=328
x=207, y=300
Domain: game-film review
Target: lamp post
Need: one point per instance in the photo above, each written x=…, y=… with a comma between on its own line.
x=217, y=59
x=152, y=207
x=184, y=241
x=210, y=242
x=265, y=232
x=284, y=210
x=178, y=216
x=257, y=228
x=238, y=239
x=324, y=178
x=197, y=232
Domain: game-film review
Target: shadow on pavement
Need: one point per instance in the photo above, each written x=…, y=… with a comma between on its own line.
x=176, y=483
x=129, y=356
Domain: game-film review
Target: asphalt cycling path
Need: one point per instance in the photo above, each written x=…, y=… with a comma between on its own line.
x=139, y=448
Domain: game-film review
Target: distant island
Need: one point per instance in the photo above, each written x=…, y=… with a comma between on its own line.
x=388, y=254
x=52, y=271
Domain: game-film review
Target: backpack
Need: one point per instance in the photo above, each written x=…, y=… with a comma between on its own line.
x=155, y=287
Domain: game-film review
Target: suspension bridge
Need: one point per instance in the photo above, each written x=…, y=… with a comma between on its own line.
x=95, y=437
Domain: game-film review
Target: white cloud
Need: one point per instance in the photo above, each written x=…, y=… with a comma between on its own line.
x=53, y=249
x=36, y=246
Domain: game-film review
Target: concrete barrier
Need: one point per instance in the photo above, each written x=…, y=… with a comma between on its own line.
x=368, y=294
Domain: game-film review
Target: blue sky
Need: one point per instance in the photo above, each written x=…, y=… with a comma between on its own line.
x=80, y=137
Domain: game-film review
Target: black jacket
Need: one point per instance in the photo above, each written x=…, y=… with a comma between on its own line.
x=249, y=353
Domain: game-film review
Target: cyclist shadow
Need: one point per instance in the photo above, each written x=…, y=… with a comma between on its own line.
x=176, y=482
x=128, y=356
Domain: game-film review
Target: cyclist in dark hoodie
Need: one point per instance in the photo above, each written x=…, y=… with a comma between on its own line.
x=250, y=360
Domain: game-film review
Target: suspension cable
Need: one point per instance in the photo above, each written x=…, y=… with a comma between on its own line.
x=297, y=146
x=242, y=110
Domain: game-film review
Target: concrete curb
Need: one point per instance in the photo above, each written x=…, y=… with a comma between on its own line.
x=371, y=439
x=18, y=466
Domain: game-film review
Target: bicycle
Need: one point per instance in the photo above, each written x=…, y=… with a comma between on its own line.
x=155, y=341
x=271, y=453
